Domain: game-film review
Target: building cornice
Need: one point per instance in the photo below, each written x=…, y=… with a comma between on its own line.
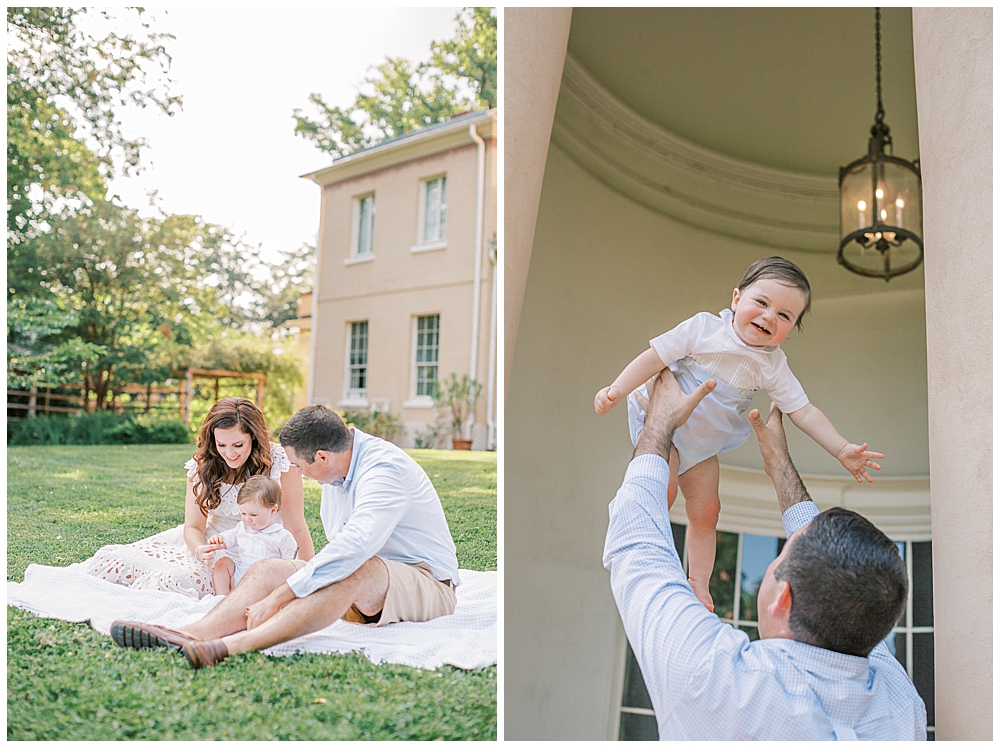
x=700, y=187
x=427, y=142
x=900, y=507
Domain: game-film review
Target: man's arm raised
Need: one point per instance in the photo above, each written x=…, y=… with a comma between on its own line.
x=778, y=465
x=670, y=630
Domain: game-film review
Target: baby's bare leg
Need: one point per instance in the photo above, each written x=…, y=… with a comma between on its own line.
x=700, y=485
x=222, y=575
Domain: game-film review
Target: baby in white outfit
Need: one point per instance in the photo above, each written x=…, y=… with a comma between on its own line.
x=257, y=536
x=739, y=350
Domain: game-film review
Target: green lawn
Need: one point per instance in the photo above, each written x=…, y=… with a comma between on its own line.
x=66, y=681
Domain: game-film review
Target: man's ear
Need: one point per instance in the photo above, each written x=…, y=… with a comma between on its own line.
x=780, y=605
x=322, y=455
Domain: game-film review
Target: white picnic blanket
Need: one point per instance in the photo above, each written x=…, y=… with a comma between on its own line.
x=467, y=639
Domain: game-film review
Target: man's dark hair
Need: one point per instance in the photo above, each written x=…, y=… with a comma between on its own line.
x=783, y=271
x=848, y=583
x=313, y=428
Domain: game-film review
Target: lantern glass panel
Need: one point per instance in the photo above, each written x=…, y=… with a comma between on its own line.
x=855, y=192
x=901, y=197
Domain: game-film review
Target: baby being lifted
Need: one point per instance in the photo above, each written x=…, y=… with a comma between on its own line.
x=739, y=350
x=257, y=536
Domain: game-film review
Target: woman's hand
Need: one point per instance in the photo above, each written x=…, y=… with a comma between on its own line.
x=855, y=458
x=206, y=553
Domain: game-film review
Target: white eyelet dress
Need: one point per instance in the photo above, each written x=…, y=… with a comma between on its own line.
x=164, y=561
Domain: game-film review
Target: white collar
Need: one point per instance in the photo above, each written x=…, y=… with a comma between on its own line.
x=269, y=530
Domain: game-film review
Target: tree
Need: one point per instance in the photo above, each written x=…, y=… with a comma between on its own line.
x=399, y=97
x=135, y=293
x=63, y=89
x=292, y=276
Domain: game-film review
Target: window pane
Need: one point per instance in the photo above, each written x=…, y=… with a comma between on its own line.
x=758, y=552
x=923, y=671
x=751, y=631
x=443, y=210
x=897, y=645
x=638, y=727
x=358, y=361
x=426, y=354
x=923, y=592
x=432, y=210
x=723, y=583
x=678, y=532
x=635, y=693
x=366, y=225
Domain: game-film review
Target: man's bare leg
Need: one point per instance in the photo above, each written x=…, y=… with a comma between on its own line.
x=366, y=588
x=230, y=615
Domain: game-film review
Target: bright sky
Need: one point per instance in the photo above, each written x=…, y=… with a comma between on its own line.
x=231, y=155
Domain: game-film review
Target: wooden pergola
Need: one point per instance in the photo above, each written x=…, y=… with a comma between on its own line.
x=187, y=386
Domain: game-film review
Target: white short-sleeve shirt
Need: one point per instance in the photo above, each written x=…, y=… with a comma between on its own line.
x=711, y=341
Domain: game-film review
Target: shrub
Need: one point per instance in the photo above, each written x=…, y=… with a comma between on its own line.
x=375, y=422
x=102, y=427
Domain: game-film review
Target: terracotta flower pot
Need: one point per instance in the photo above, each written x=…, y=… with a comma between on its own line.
x=461, y=443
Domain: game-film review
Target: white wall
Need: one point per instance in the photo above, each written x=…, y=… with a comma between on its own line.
x=606, y=275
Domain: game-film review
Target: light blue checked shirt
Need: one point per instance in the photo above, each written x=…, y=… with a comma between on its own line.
x=706, y=679
x=386, y=506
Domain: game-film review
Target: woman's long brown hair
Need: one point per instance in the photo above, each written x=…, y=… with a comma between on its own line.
x=212, y=468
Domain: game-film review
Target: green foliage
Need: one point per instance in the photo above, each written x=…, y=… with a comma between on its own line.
x=63, y=89
x=245, y=352
x=289, y=278
x=102, y=427
x=380, y=423
x=457, y=398
x=398, y=96
x=472, y=55
x=66, y=681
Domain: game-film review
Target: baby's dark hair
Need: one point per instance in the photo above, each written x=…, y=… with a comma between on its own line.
x=262, y=488
x=783, y=271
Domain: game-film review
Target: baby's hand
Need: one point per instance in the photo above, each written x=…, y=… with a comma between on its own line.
x=856, y=459
x=606, y=399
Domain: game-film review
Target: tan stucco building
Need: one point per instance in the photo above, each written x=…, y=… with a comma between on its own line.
x=406, y=282
x=651, y=154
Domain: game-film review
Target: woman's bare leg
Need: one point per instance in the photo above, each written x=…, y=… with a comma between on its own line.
x=700, y=485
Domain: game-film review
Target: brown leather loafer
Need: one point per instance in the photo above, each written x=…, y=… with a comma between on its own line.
x=201, y=654
x=136, y=635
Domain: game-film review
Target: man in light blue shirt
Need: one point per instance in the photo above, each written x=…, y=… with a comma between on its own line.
x=820, y=669
x=390, y=555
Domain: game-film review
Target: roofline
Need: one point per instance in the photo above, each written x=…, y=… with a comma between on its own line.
x=425, y=142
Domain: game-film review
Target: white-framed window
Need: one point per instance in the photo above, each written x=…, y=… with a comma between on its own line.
x=424, y=362
x=362, y=229
x=740, y=562
x=433, y=212
x=356, y=366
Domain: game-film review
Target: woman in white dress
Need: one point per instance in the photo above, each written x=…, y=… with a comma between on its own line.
x=233, y=445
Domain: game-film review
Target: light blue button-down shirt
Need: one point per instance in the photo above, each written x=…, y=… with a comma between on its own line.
x=386, y=507
x=706, y=679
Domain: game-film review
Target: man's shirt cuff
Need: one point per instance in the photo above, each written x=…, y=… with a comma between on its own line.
x=798, y=516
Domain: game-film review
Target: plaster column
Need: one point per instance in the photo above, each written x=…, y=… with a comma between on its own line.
x=953, y=60
x=534, y=51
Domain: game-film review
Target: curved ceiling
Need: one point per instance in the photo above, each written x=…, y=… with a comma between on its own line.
x=791, y=88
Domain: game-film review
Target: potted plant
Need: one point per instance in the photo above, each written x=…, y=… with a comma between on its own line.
x=458, y=397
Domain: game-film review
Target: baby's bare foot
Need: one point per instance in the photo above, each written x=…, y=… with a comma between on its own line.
x=702, y=593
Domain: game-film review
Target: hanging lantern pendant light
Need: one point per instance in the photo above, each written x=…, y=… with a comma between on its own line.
x=880, y=201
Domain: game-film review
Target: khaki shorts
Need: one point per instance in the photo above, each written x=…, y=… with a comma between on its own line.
x=413, y=595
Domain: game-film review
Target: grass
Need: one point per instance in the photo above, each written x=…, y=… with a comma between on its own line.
x=66, y=681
